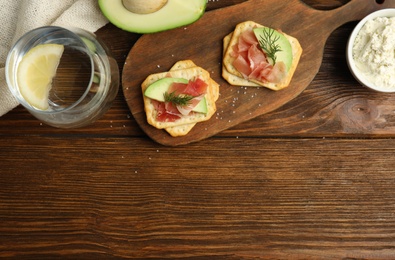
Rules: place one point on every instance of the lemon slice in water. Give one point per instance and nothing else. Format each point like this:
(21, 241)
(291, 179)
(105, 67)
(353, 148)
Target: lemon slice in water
(36, 71)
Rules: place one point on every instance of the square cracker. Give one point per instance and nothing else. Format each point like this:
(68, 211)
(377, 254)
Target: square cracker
(214, 87)
(180, 70)
(228, 58)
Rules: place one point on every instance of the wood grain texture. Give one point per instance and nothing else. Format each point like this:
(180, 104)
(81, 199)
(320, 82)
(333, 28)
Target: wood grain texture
(202, 43)
(299, 205)
(312, 179)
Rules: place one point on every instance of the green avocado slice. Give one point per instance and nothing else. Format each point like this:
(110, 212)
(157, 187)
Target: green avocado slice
(157, 89)
(285, 54)
(201, 107)
(175, 13)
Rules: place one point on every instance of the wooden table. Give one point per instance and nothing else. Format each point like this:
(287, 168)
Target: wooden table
(312, 180)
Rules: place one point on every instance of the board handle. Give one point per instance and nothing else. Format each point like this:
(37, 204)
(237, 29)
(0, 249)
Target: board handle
(355, 10)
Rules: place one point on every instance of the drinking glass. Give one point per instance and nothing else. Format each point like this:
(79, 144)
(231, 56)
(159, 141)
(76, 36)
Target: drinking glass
(86, 80)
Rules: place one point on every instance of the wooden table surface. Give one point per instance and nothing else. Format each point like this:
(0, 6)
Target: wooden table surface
(313, 179)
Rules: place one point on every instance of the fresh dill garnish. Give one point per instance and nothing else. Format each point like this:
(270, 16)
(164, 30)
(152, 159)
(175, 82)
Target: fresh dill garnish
(181, 100)
(268, 43)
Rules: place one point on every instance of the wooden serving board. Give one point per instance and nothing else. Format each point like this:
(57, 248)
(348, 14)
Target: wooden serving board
(201, 42)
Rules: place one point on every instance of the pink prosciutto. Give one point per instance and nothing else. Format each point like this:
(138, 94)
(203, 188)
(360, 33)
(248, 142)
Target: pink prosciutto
(169, 112)
(252, 62)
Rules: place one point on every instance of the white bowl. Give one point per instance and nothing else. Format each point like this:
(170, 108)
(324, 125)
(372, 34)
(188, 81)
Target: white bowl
(358, 75)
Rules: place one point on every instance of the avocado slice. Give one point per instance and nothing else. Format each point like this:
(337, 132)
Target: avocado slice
(158, 89)
(201, 107)
(285, 54)
(175, 13)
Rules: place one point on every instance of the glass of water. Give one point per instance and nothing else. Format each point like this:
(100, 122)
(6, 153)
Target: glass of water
(84, 83)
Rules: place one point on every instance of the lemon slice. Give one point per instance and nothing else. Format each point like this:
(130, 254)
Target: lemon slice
(36, 71)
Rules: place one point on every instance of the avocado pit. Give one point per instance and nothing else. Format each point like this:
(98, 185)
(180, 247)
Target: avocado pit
(143, 6)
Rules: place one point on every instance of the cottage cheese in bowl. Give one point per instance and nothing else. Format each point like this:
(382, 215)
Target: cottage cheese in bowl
(371, 51)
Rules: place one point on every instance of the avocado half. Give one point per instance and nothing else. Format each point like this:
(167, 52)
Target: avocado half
(175, 13)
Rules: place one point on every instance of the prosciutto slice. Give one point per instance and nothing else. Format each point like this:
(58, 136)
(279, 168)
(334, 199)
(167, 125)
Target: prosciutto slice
(252, 62)
(165, 113)
(192, 88)
(169, 112)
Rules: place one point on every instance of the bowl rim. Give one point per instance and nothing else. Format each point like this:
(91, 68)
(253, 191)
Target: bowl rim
(387, 12)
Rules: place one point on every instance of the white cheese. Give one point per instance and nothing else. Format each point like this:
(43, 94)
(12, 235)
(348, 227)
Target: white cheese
(374, 52)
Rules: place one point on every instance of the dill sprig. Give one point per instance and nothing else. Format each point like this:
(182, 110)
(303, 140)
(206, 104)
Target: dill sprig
(181, 100)
(268, 43)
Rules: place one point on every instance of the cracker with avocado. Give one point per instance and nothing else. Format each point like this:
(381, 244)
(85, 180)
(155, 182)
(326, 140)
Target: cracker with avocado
(189, 71)
(234, 77)
(214, 87)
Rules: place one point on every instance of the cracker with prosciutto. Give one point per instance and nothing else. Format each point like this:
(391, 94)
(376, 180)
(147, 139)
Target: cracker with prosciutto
(180, 123)
(185, 64)
(231, 78)
(246, 64)
(182, 130)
